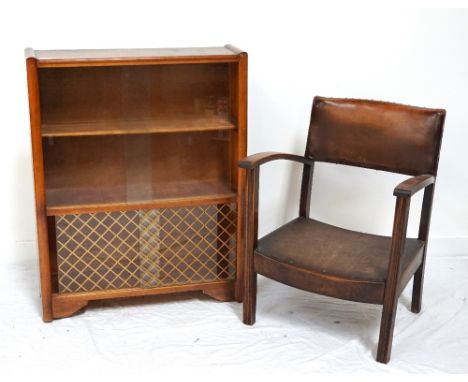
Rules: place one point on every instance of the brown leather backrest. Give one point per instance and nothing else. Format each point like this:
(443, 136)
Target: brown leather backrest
(377, 135)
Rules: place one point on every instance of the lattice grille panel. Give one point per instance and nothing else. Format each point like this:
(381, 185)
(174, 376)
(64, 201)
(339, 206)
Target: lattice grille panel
(146, 248)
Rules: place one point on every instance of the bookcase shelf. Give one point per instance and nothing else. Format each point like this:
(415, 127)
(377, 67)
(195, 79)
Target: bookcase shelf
(92, 199)
(166, 124)
(135, 166)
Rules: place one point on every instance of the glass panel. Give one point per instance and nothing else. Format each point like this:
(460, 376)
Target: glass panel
(136, 134)
(92, 170)
(134, 99)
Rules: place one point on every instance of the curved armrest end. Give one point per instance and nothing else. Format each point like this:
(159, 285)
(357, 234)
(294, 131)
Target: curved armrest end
(412, 185)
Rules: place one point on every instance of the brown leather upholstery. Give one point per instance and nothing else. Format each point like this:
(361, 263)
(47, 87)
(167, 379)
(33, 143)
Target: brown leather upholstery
(358, 259)
(377, 135)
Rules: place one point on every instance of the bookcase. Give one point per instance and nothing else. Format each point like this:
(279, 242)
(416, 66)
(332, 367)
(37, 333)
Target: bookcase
(135, 170)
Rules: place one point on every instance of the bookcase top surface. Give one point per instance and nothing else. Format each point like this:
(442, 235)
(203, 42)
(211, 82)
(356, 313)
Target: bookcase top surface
(106, 57)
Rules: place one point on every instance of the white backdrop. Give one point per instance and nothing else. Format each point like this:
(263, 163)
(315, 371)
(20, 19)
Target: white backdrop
(295, 51)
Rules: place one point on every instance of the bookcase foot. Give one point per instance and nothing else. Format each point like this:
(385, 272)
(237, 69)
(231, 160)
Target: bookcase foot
(47, 315)
(67, 308)
(220, 294)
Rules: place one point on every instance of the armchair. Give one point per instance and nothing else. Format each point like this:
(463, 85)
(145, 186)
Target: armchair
(332, 261)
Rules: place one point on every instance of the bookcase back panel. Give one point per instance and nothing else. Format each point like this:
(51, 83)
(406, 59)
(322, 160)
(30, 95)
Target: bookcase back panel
(146, 248)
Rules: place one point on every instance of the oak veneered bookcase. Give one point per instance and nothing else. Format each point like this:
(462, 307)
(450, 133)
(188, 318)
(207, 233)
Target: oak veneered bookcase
(135, 169)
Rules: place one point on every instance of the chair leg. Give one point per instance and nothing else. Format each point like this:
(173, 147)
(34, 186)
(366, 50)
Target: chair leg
(251, 234)
(416, 300)
(390, 300)
(250, 296)
(387, 325)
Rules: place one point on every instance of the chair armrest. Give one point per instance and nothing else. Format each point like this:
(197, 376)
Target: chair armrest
(412, 185)
(258, 159)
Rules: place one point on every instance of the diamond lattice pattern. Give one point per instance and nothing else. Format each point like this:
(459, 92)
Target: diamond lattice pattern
(146, 248)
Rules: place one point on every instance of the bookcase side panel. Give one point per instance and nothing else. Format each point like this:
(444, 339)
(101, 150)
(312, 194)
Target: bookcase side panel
(39, 189)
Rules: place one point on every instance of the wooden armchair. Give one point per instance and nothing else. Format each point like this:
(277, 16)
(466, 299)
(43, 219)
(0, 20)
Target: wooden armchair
(320, 258)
